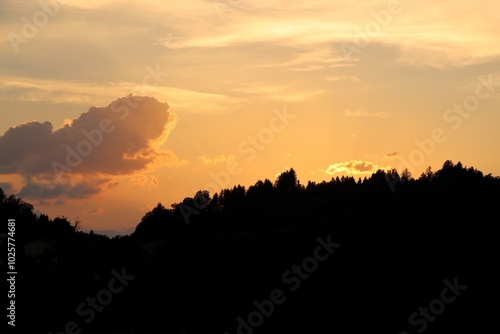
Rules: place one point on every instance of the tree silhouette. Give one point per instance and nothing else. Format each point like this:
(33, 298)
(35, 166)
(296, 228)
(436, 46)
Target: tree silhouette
(154, 224)
(287, 180)
(239, 243)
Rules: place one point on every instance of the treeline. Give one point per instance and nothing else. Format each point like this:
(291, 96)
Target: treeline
(208, 257)
(268, 204)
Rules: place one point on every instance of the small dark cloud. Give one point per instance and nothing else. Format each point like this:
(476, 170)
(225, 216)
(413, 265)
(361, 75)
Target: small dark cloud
(95, 211)
(391, 155)
(43, 190)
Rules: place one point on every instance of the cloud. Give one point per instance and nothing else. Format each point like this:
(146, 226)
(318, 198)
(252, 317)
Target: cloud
(41, 187)
(59, 92)
(215, 160)
(425, 33)
(283, 93)
(145, 181)
(81, 158)
(343, 78)
(99, 211)
(71, 92)
(354, 167)
(393, 155)
(117, 139)
(7, 187)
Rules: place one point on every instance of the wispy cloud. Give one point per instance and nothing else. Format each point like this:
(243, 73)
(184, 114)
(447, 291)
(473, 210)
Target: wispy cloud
(100, 93)
(425, 33)
(343, 78)
(145, 181)
(215, 160)
(99, 211)
(393, 155)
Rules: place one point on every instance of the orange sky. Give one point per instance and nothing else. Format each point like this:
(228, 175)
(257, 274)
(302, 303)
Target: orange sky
(243, 89)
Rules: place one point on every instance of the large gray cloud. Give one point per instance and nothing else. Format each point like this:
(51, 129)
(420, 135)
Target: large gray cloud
(119, 139)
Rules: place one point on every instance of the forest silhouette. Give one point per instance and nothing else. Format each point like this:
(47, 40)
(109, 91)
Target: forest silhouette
(197, 267)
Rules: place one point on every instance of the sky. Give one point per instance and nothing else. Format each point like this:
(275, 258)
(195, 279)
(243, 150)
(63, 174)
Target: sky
(110, 107)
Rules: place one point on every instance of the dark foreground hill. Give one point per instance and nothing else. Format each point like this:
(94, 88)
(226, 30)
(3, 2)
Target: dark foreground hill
(389, 253)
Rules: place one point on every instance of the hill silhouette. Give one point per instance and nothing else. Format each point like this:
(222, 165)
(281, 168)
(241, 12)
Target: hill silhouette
(349, 255)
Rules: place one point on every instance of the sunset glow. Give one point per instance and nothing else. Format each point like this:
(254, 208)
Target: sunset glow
(109, 107)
